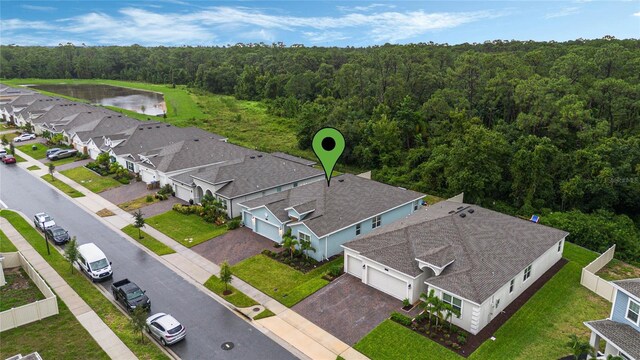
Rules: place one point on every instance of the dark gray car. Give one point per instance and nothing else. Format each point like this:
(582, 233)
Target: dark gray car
(65, 153)
(57, 235)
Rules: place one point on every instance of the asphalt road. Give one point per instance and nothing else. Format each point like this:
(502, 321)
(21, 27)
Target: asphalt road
(208, 323)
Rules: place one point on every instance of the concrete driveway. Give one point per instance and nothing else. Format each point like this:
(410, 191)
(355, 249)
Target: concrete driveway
(234, 246)
(348, 309)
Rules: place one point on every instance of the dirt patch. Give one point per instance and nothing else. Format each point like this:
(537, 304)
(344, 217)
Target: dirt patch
(105, 213)
(618, 270)
(17, 279)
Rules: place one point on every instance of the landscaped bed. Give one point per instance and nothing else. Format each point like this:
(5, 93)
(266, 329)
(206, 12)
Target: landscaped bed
(19, 289)
(90, 179)
(538, 330)
(280, 281)
(148, 241)
(188, 230)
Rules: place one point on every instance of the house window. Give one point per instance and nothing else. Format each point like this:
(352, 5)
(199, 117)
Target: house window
(279, 188)
(358, 228)
(511, 285)
(527, 273)
(376, 221)
(559, 245)
(295, 184)
(633, 311)
(453, 301)
(415, 206)
(129, 166)
(303, 237)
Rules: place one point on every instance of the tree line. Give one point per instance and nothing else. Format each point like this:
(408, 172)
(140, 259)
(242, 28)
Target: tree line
(520, 126)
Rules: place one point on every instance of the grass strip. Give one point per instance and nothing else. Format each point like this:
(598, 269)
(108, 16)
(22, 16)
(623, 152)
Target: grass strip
(5, 244)
(236, 297)
(33, 167)
(62, 186)
(264, 314)
(148, 241)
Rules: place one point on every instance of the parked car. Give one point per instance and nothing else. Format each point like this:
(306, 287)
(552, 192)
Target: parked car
(24, 137)
(93, 262)
(165, 328)
(62, 154)
(43, 221)
(57, 235)
(52, 150)
(130, 295)
(8, 159)
(3, 152)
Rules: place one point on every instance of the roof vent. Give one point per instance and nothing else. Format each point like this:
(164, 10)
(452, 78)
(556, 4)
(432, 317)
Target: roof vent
(158, 127)
(460, 207)
(341, 180)
(168, 125)
(452, 211)
(470, 211)
(196, 139)
(463, 215)
(259, 156)
(252, 157)
(149, 127)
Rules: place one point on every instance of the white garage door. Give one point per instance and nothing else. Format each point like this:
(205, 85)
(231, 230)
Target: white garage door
(146, 176)
(354, 266)
(267, 230)
(183, 193)
(387, 283)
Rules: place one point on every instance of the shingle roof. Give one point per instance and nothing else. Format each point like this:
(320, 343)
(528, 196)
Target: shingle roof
(349, 200)
(60, 111)
(488, 248)
(623, 336)
(296, 159)
(630, 285)
(107, 125)
(153, 136)
(41, 105)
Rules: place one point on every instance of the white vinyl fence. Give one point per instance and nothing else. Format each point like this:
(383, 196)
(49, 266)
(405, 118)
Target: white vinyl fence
(35, 311)
(595, 283)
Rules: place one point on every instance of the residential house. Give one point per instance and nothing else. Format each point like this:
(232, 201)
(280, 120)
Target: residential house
(12, 105)
(36, 109)
(237, 179)
(56, 113)
(329, 216)
(621, 330)
(475, 259)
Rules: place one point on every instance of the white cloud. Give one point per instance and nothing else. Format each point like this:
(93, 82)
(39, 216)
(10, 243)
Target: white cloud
(364, 8)
(563, 12)
(17, 24)
(637, 14)
(38, 8)
(324, 36)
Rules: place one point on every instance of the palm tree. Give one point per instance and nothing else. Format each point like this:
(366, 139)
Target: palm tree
(579, 347)
(305, 245)
(289, 242)
(449, 312)
(426, 302)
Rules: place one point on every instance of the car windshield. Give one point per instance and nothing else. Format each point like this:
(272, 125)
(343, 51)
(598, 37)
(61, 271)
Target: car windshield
(98, 265)
(175, 330)
(58, 232)
(134, 295)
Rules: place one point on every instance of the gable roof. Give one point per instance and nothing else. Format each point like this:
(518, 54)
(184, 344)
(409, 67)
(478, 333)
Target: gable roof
(632, 286)
(296, 159)
(105, 126)
(42, 105)
(487, 248)
(622, 335)
(349, 200)
(154, 135)
(59, 111)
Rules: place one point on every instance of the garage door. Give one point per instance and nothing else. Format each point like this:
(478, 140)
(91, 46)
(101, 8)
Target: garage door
(146, 176)
(387, 283)
(183, 193)
(267, 230)
(354, 266)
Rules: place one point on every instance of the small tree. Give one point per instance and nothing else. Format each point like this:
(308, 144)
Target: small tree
(104, 161)
(138, 222)
(71, 252)
(226, 277)
(450, 311)
(56, 139)
(579, 347)
(12, 149)
(52, 168)
(289, 242)
(28, 128)
(305, 245)
(4, 140)
(138, 321)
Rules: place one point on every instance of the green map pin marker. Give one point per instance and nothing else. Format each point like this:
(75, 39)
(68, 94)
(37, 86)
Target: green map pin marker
(328, 144)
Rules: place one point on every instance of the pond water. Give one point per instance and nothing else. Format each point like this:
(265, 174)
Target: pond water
(143, 102)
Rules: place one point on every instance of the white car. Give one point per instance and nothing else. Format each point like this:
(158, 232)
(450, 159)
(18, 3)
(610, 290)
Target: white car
(43, 221)
(165, 328)
(24, 137)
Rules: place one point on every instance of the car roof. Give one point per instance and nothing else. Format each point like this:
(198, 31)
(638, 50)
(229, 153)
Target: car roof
(91, 252)
(167, 321)
(56, 227)
(42, 214)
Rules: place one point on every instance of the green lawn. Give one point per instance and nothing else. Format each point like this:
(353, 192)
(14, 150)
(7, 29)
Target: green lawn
(280, 281)
(39, 153)
(19, 290)
(33, 167)
(64, 161)
(236, 297)
(108, 312)
(91, 180)
(136, 204)
(539, 330)
(19, 158)
(56, 337)
(148, 241)
(264, 314)
(5, 244)
(188, 230)
(62, 186)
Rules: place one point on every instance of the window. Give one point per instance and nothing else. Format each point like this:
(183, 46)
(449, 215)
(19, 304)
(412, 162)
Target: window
(279, 188)
(633, 311)
(376, 221)
(358, 229)
(415, 206)
(130, 166)
(527, 273)
(559, 245)
(453, 301)
(295, 184)
(511, 284)
(303, 237)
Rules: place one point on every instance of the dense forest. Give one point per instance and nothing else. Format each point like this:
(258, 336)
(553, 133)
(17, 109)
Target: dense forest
(522, 127)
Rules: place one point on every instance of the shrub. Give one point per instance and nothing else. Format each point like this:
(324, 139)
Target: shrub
(150, 199)
(455, 346)
(335, 270)
(421, 317)
(462, 339)
(123, 180)
(165, 190)
(401, 319)
(406, 303)
(233, 224)
(82, 156)
(266, 252)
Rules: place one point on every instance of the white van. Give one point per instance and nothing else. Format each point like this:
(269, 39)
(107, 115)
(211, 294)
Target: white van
(93, 262)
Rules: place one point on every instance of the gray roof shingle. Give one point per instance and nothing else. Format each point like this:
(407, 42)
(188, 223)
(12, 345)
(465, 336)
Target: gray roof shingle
(630, 285)
(296, 159)
(349, 200)
(622, 335)
(487, 248)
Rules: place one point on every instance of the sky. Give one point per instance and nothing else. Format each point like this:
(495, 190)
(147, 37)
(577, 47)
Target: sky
(312, 23)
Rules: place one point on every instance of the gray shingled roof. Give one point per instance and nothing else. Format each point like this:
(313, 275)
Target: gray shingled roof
(296, 159)
(489, 248)
(349, 200)
(59, 111)
(153, 136)
(107, 125)
(630, 285)
(42, 105)
(623, 336)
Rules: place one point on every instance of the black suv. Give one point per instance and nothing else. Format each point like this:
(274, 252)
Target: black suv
(57, 234)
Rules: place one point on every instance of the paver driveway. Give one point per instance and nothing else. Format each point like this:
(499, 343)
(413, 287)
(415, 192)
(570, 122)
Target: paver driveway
(234, 246)
(347, 308)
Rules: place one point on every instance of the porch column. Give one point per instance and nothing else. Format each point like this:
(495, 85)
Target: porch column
(595, 341)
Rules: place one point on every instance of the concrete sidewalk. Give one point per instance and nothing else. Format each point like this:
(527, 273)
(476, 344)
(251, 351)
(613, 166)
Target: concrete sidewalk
(307, 338)
(101, 333)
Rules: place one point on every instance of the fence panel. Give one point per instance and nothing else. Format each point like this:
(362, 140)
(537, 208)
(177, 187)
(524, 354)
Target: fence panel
(593, 282)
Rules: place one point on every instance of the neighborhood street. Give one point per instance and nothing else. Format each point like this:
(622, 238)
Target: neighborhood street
(209, 324)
